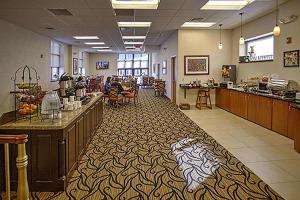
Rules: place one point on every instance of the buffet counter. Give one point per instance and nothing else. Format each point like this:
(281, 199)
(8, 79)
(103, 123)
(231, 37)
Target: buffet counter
(54, 147)
(281, 115)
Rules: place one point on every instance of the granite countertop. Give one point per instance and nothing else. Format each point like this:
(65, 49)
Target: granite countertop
(48, 124)
(265, 95)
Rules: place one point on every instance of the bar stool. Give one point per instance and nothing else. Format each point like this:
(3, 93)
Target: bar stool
(202, 97)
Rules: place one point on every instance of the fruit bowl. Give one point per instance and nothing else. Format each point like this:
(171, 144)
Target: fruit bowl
(26, 85)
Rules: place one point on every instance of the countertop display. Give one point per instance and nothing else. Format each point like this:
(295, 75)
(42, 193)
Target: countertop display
(54, 147)
(48, 124)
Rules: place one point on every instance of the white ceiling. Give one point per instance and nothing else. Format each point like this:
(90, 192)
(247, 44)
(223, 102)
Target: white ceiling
(96, 17)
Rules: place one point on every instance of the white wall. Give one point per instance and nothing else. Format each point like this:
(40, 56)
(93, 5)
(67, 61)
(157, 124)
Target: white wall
(202, 42)
(265, 25)
(21, 47)
(168, 49)
(111, 58)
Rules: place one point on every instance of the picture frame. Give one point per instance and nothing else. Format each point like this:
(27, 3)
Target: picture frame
(75, 66)
(196, 65)
(291, 58)
(164, 67)
(102, 65)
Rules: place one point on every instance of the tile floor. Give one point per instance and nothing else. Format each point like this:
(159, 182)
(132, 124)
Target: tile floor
(268, 154)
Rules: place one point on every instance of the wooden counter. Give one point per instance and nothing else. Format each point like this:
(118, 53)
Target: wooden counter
(53, 148)
(279, 115)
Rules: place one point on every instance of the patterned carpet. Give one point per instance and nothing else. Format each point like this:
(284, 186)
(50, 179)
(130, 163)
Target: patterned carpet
(153, 151)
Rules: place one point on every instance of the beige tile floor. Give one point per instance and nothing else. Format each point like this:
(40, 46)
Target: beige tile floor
(268, 154)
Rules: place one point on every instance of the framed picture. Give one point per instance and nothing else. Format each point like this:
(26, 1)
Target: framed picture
(164, 67)
(196, 65)
(75, 66)
(291, 58)
(102, 65)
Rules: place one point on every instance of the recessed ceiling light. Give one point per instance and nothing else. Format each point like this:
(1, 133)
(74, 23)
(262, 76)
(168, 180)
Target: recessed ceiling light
(86, 37)
(135, 4)
(94, 43)
(197, 24)
(134, 37)
(129, 47)
(100, 47)
(103, 50)
(133, 42)
(226, 5)
(134, 24)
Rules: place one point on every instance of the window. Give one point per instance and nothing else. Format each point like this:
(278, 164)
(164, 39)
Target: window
(133, 64)
(57, 60)
(81, 64)
(260, 48)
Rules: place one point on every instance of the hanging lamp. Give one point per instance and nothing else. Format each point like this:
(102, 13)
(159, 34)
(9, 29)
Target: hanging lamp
(276, 30)
(220, 43)
(242, 40)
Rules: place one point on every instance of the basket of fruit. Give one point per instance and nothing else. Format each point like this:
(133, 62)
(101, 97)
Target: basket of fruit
(27, 109)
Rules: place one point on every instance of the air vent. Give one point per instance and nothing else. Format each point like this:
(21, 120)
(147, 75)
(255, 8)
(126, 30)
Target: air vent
(124, 12)
(198, 19)
(60, 12)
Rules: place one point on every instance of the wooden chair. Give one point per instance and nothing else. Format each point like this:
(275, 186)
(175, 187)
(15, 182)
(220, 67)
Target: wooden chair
(159, 88)
(113, 97)
(133, 94)
(105, 96)
(202, 98)
(145, 81)
(151, 81)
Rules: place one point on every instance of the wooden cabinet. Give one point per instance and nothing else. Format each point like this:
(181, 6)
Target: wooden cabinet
(54, 151)
(280, 116)
(238, 103)
(80, 134)
(294, 126)
(223, 98)
(260, 110)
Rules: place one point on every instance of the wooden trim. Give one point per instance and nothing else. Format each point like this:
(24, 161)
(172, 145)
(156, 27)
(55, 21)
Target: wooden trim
(13, 139)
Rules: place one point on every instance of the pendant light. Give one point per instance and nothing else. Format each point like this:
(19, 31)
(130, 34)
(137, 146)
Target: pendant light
(276, 30)
(220, 43)
(242, 40)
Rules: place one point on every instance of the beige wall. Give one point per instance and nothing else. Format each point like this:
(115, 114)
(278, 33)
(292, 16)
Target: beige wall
(21, 47)
(112, 70)
(265, 25)
(168, 49)
(202, 42)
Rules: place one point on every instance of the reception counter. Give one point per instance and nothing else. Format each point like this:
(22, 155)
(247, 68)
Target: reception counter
(54, 147)
(279, 114)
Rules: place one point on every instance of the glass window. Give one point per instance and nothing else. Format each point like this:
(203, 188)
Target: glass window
(121, 64)
(121, 56)
(144, 57)
(137, 56)
(144, 64)
(259, 48)
(145, 72)
(56, 60)
(128, 72)
(129, 56)
(128, 64)
(135, 64)
(137, 72)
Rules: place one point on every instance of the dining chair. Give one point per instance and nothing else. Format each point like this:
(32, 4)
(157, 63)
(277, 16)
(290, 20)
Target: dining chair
(133, 94)
(113, 97)
(101, 88)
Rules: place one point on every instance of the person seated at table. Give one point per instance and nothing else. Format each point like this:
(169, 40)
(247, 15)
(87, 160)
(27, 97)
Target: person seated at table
(117, 84)
(107, 85)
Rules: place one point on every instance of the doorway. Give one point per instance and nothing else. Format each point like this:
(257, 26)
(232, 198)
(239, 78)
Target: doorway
(173, 79)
